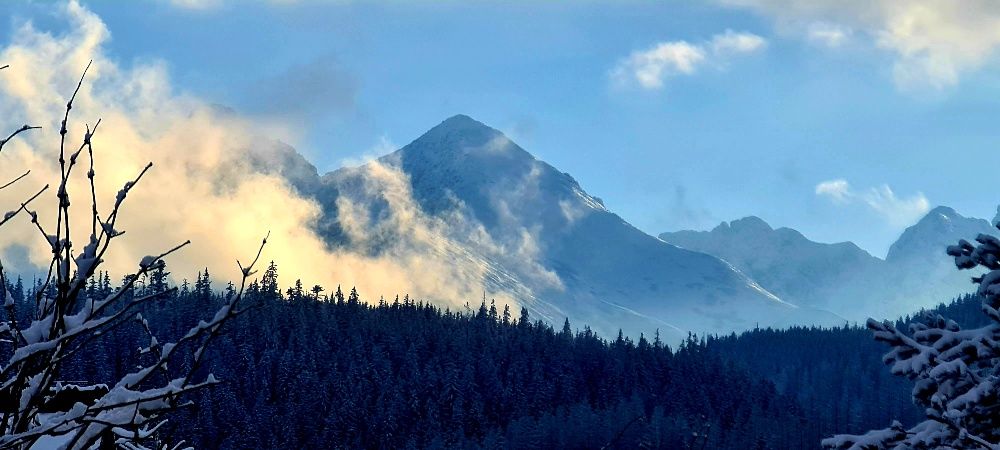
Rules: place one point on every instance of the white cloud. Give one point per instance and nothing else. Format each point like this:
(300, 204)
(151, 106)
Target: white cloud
(733, 42)
(838, 190)
(898, 211)
(933, 41)
(828, 34)
(881, 200)
(383, 147)
(196, 5)
(651, 67)
(210, 5)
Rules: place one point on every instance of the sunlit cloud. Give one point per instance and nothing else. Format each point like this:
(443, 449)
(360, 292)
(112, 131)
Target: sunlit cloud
(933, 42)
(214, 182)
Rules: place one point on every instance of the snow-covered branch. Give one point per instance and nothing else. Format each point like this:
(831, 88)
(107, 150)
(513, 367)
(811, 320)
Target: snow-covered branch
(66, 322)
(955, 371)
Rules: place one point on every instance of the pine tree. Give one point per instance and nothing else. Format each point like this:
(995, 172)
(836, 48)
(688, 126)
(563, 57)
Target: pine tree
(158, 279)
(524, 321)
(269, 281)
(956, 371)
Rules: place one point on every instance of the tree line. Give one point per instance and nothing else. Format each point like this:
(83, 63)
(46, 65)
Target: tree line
(307, 370)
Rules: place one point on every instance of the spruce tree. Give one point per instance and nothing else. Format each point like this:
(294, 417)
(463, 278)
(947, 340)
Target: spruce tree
(956, 372)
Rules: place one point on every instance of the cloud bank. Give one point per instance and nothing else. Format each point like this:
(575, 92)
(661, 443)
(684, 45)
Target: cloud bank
(203, 186)
(650, 68)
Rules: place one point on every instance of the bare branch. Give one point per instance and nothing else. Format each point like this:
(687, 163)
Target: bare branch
(15, 180)
(64, 325)
(15, 133)
(24, 207)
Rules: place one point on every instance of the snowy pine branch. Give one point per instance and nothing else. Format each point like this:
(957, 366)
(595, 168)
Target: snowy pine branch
(955, 371)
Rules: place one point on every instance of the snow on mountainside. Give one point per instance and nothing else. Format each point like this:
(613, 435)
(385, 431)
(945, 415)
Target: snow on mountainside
(842, 277)
(918, 256)
(545, 240)
(941, 227)
(788, 264)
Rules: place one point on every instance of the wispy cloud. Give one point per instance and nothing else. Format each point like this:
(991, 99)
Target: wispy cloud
(828, 34)
(933, 42)
(837, 190)
(650, 68)
(382, 147)
(732, 42)
(212, 5)
(196, 5)
(897, 211)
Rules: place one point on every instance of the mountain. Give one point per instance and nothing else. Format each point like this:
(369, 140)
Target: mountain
(842, 277)
(925, 273)
(541, 237)
(941, 227)
(788, 264)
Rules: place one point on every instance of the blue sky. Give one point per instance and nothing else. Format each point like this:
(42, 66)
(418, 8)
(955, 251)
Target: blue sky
(843, 119)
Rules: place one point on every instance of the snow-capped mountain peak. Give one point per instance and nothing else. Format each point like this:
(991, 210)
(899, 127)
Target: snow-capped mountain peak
(842, 277)
(598, 269)
(940, 227)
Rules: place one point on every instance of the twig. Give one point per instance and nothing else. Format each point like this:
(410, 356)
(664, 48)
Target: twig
(15, 133)
(15, 180)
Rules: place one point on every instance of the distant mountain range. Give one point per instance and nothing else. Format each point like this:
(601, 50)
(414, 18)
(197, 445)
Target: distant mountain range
(533, 232)
(843, 278)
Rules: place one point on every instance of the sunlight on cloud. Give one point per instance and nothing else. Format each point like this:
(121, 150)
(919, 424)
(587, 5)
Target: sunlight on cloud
(405, 250)
(881, 200)
(204, 185)
(934, 41)
(651, 67)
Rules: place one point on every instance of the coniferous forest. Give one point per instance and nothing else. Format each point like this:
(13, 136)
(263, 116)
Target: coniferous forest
(305, 370)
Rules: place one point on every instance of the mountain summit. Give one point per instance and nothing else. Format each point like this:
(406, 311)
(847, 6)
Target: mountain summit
(543, 238)
(459, 129)
(939, 228)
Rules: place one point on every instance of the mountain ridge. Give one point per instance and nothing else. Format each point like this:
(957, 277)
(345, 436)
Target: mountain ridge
(846, 279)
(610, 274)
